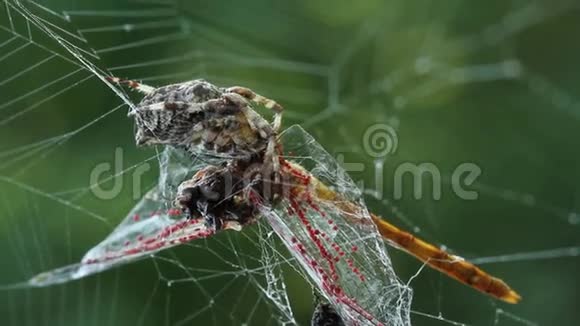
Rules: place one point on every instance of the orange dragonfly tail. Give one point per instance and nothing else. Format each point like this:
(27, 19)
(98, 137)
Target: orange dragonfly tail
(451, 265)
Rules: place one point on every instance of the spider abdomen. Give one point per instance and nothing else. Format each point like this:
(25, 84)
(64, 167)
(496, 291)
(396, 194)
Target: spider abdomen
(198, 115)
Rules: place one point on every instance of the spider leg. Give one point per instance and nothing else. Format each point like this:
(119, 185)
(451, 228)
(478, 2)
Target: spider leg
(256, 98)
(142, 88)
(232, 225)
(272, 151)
(261, 100)
(273, 156)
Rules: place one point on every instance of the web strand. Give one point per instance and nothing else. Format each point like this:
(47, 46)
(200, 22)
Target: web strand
(238, 278)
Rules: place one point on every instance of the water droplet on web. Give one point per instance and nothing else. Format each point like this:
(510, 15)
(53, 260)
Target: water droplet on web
(512, 68)
(528, 200)
(185, 26)
(394, 122)
(399, 102)
(387, 85)
(423, 65)
(574, 218)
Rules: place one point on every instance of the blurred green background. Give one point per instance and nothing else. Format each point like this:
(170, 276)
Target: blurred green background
(494, 83)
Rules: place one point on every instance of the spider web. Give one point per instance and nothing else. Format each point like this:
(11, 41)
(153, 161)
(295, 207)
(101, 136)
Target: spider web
(431, 71)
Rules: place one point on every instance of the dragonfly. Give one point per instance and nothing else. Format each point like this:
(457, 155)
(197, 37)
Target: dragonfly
(307, 199)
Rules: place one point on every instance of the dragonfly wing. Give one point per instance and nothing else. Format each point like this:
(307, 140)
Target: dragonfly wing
(339, 249)
(151, 226)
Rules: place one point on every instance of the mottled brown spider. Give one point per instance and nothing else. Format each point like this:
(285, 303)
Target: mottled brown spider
(197, 115)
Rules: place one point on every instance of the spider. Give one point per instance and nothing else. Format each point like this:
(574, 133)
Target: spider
(198, 115)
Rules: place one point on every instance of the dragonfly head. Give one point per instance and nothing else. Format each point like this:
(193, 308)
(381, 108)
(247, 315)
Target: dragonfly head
(217, 195)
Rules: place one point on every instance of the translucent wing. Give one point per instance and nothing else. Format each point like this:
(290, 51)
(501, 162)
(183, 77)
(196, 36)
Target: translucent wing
(151, 226)
(324, 223)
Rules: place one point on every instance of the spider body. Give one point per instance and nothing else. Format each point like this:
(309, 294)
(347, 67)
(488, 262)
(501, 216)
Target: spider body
(198, 115)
